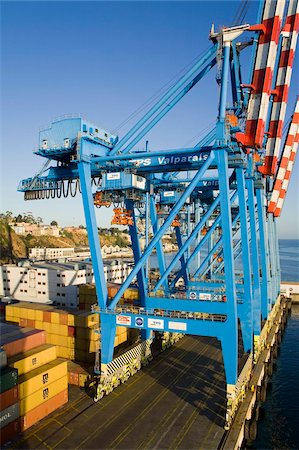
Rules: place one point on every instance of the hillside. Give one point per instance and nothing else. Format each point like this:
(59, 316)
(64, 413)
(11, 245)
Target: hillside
(14, 247)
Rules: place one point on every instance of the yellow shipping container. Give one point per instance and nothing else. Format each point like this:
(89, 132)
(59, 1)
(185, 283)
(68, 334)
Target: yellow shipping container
(71, 341)
(12, 311)
(33, 358)
(84, 379)
(23, 313)
(131, 293)
(86, 320)
(39, 315)
(55, 339)
(65, 352)
(11, 319)
(38, 378)
(93, 346)
(71, 320)
(39, 324)
(55, 317)
(86, 333)
(122, 338)
(120, 330)
(30, 314)
(86, 289)
(42, 395)
(46, 326)
(61, 330)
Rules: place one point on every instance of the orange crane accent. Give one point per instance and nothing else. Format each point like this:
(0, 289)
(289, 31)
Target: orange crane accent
(122, 216)
(98, 201)
(176, 222)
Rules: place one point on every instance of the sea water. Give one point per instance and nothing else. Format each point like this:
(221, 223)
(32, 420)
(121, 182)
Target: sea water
(278, 427)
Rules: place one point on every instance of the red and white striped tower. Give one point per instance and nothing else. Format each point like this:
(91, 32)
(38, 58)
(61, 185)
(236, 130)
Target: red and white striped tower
(281, 91)
(286, 181)
(262, 75)
(285, 165)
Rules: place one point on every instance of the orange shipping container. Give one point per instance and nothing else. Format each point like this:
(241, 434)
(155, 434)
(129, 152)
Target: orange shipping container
(22, 343)
(63, 318)
(27, 323)
(9, 397)
(47, 316)
(43, 410)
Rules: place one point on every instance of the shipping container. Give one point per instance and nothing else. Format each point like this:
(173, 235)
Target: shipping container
(27, 323)
(61, 330)
(63, 320)
(43, 410)
(9, 414)
(3, 357)
(41, 377)
(11, 319)
(71, 331)
(42, 395)
(33, 358)
(132, 293)
(21, 342)
(47, 316)
(9, 432)
(9, 397)
(80, 374)
(8, 378)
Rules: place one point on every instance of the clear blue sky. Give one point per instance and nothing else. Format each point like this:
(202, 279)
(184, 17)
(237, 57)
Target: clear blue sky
(104, 60)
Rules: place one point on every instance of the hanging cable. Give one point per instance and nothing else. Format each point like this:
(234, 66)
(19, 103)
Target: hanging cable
(198, 135)
(158, 93)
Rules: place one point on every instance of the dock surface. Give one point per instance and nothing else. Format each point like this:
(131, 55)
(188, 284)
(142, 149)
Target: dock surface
(178, 401)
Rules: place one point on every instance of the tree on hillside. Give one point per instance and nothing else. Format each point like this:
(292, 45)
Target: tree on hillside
(8, 215)
(54, 223)
(28, 217)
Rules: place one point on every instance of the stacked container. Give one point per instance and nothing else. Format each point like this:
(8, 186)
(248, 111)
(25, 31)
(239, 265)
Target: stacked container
(88, 297)
(79, 375)
(42, 377)
(42, 391)
(9, 420)
(74, 333)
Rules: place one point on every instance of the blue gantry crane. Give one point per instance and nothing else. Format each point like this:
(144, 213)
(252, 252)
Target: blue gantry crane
(214, 198)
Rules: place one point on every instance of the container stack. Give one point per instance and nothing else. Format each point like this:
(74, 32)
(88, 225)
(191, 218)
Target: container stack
(9, 400)
(88, 297)
(38, 377)
(74, 333)
(131, 295)
(42, 390)
(79, 375)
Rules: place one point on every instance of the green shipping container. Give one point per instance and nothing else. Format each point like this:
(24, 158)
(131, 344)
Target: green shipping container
(8, 378)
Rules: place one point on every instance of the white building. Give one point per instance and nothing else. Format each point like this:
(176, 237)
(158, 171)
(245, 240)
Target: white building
(50, 253)
(49, 281)
(24, 228)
